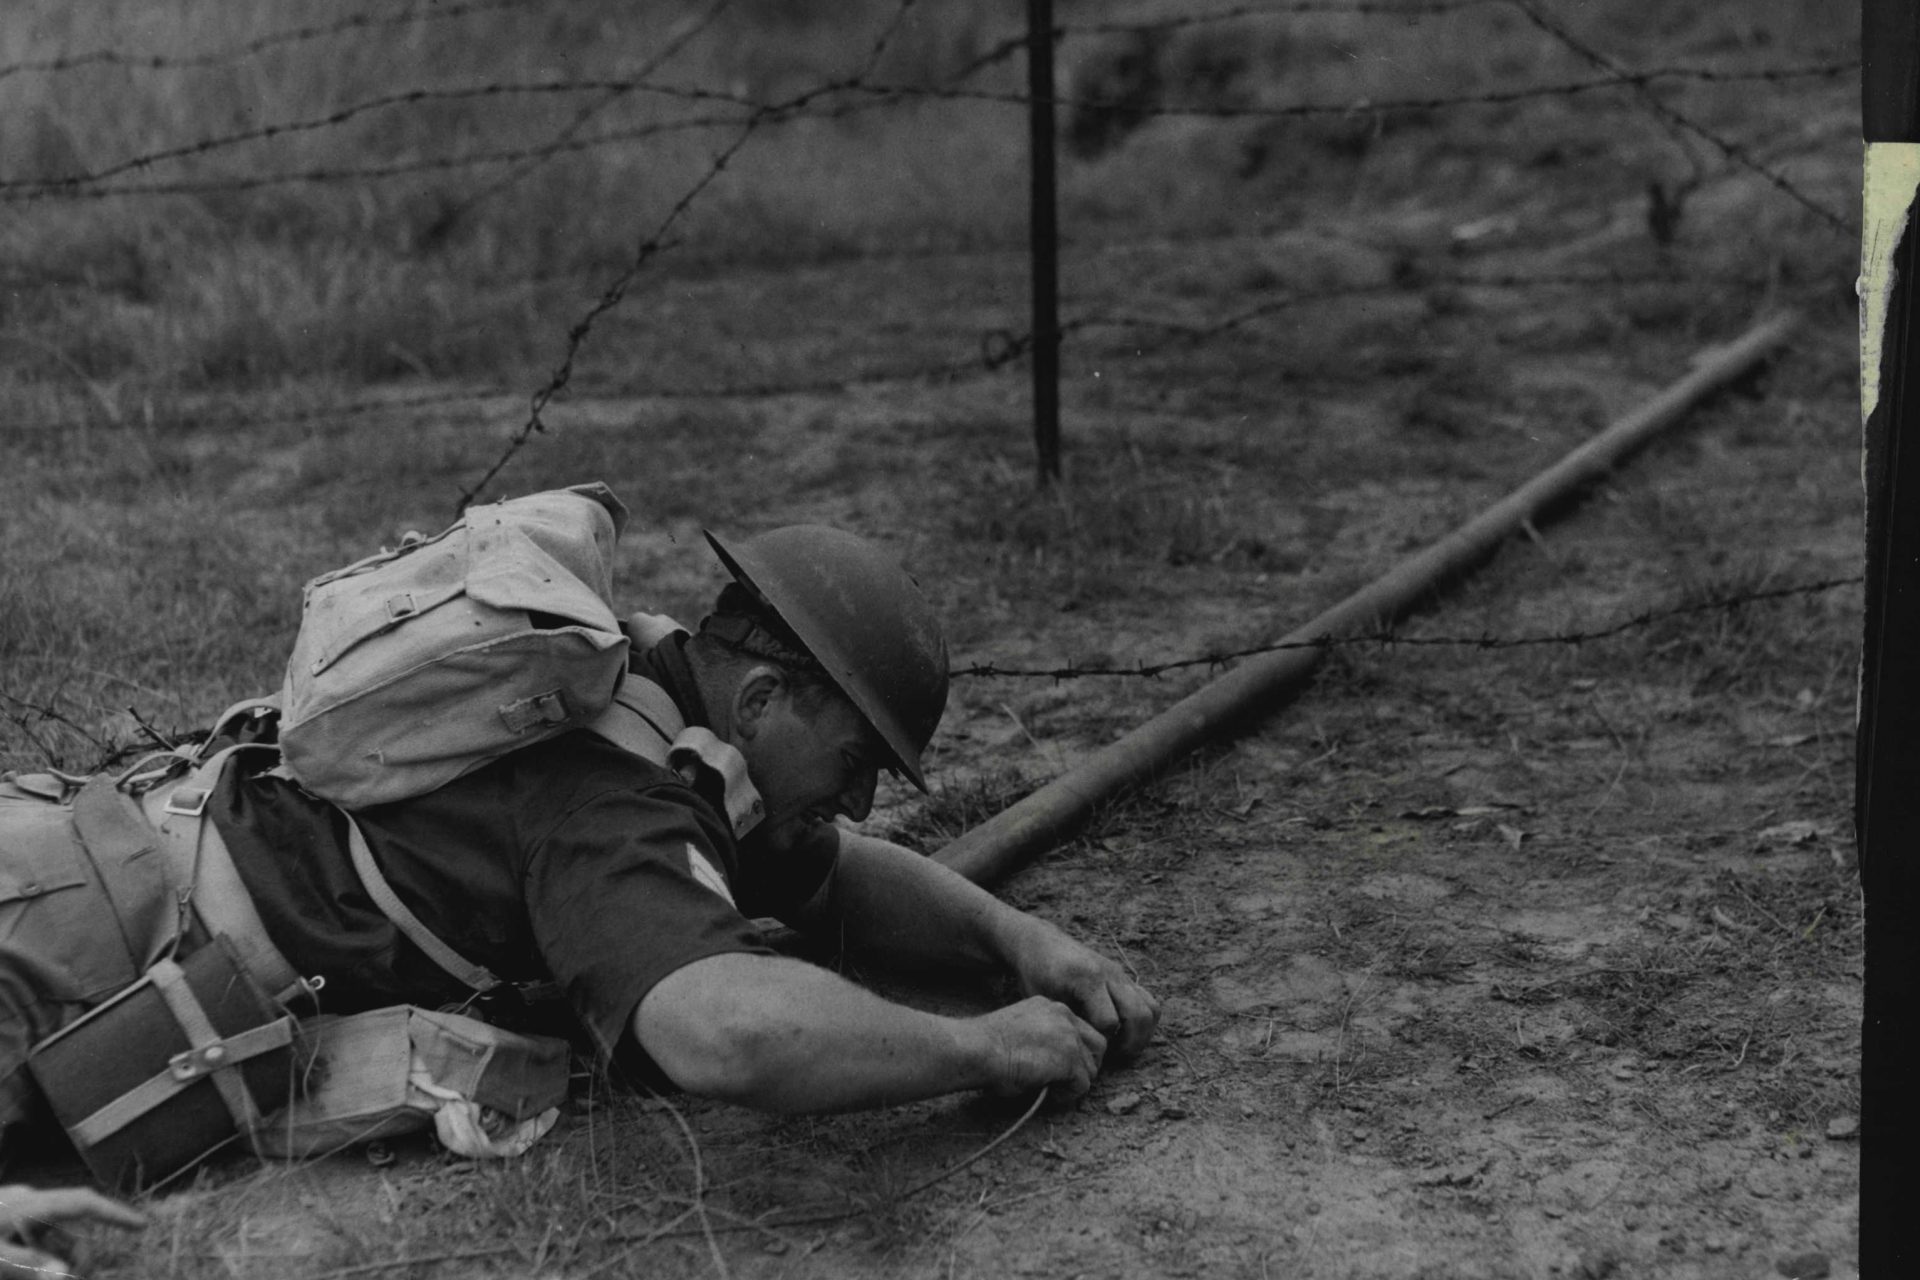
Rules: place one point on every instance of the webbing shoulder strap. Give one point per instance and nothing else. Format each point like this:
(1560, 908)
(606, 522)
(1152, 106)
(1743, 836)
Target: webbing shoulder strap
(642, 718)
(203, 872)
(477, 976)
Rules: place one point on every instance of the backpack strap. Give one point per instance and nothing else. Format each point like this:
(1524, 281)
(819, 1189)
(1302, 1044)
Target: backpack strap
(696, 748)
(203, 875)
(477, 976)
(642, 718)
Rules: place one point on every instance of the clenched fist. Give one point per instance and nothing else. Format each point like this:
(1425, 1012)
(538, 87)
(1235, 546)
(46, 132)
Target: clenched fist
(1042, 1042)
(1046, 962)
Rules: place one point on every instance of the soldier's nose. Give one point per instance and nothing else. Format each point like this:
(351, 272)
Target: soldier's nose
(857, 800)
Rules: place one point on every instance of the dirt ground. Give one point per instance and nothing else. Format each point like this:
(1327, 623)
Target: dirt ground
(1539, 960)
(1504, 960)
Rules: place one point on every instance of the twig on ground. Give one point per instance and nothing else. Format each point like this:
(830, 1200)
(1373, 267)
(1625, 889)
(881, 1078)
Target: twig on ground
(1742, 890)
(841, 1215)
(699, 1187)
(154, 735)
(415, 1260)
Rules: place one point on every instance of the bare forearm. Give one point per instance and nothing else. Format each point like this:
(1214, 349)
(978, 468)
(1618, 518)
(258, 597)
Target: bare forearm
(891, 901)
(781, 1035)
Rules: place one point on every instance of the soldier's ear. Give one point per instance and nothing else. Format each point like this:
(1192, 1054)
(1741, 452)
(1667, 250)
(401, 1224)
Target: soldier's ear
(753, 697)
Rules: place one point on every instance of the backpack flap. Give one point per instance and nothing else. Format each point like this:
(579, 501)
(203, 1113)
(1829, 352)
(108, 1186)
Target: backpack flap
(423, 667)
(512, 567)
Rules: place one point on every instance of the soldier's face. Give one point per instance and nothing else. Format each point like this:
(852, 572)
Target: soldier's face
(812, 757)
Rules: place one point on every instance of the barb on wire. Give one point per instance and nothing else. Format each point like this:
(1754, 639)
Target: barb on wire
(656, 242)
(364, 21)
(1732, 151)
(1390, 637)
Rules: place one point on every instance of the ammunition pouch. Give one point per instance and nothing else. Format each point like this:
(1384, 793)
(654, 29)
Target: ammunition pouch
(185, 1061)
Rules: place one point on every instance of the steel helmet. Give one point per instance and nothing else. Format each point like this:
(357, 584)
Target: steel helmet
(862, 618)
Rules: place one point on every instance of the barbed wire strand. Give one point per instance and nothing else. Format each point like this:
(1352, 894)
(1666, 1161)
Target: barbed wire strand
(1390, 637)
(997, 349)
(31, 187)
(93, 184)
(649, 248)
(363, 21)
(1361, 106)
(1005, 49)
(1732, 151)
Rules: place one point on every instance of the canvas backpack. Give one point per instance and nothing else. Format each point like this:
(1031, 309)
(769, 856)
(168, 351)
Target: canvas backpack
(420, 664)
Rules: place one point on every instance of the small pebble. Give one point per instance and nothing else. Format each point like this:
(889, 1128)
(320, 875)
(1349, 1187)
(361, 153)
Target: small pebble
(1122, 1103)
(1842, 1127)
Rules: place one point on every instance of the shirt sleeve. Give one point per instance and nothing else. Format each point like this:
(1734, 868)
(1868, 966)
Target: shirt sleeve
(630, 886)
(777, 882)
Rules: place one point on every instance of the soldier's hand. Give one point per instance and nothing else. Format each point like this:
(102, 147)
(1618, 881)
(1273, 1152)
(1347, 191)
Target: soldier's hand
(1047, 962)
(31, 1222)
(1043, 1042)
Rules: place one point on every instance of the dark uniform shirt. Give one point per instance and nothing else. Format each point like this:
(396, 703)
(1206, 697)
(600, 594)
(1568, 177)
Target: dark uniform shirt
(569, 861)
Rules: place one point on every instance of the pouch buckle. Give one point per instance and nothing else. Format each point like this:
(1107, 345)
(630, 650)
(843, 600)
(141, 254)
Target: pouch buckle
(195, 1063)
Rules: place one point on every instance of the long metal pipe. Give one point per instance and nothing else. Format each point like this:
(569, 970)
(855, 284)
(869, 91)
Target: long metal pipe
(1006, 842)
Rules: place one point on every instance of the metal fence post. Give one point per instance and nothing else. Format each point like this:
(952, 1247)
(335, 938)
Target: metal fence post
(1887, 781)
(1044, 241)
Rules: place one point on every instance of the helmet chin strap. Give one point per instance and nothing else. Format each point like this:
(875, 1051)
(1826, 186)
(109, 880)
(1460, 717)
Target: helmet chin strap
(750, 636)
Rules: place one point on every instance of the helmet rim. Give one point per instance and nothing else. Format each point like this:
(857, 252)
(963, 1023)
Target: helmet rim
(771, 585)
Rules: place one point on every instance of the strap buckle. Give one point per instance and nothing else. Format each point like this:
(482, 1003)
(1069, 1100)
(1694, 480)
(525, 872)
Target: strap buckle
(188, 801)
